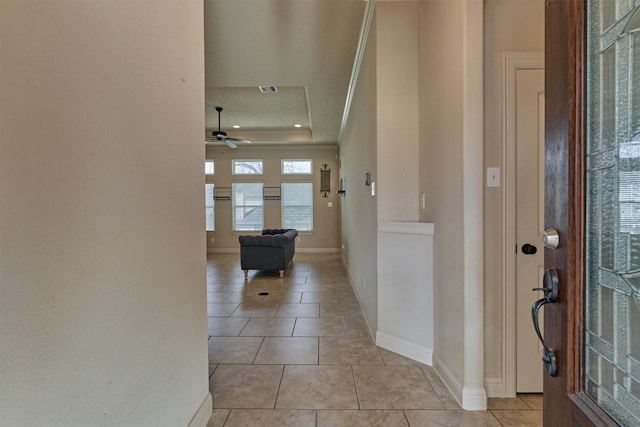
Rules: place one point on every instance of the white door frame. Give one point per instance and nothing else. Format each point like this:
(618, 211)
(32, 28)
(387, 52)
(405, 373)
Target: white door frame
(511, 63)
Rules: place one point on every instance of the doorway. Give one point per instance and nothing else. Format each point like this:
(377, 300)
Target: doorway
(523, 202)
(529, 223)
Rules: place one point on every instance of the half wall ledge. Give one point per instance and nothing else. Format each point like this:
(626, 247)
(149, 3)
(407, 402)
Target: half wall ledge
(405, 289)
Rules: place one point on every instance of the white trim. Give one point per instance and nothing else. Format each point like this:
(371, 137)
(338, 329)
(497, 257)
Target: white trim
(355, 71)
(470, 398)
(355, 291)
(474, 399)
(405, 227)
(511, 63)
(233, 167)
(494, 386)
(203, 414)
(223, 250)
(447, 378)
(318, 250)
(473, 393)
(405, 348)
(282, 172)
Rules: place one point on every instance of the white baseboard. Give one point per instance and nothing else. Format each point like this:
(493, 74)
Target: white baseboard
(203, 414)
(474, 399)
(355, 291)
(223, 250)
(494, 387)
(470, 398)
(447, 378)
(405, 348)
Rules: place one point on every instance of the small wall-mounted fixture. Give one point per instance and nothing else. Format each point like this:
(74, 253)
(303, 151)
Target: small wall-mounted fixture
(271, 193)
(325, 180)
(341, 189)
(367, 179)
(222, 193)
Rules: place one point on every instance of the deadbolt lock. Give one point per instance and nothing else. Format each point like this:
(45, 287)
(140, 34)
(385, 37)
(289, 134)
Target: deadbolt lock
(551, 238)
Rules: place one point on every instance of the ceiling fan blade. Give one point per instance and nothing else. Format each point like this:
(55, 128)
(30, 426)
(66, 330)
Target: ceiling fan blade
(219, 135)
(242, 141)
(228, 143)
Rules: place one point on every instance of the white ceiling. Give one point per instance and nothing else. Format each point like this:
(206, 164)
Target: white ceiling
(306, 48)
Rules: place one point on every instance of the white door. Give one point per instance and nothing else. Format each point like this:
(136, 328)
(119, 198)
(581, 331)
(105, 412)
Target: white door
(529, 116)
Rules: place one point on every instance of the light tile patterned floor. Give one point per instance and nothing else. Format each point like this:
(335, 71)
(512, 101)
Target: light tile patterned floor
(296, 351)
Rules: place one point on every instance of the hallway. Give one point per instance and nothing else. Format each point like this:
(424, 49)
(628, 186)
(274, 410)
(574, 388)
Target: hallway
(297, 352)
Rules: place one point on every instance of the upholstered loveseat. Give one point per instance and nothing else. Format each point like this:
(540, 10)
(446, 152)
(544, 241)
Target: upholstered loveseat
(273, 250)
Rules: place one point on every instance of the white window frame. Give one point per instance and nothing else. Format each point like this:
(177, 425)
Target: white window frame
(283, 172)
(233, 166)
(213, 167)
(212, 206)
(284, 206)
(234, 206)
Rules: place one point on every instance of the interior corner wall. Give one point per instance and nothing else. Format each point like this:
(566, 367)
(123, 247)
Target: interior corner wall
(441, 159)
(102, 248)
(358, 155)
(509, 26)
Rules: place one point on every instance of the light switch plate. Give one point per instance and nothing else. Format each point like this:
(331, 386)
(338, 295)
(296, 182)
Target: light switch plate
(493, 177)
(373, 189)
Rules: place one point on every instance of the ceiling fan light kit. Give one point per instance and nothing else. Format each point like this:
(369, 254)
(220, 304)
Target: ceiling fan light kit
(219, 135)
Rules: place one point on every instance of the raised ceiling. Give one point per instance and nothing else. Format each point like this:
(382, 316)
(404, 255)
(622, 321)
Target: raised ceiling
(305, 48)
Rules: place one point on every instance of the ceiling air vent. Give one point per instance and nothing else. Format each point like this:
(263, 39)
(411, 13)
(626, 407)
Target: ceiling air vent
(268, 89)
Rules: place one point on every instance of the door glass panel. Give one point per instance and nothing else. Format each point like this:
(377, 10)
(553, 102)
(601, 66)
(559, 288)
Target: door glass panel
(612, 265)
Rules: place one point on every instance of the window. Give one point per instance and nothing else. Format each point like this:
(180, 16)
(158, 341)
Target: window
(247, 167)
(247, 208)
(209, 167)
(629, 199)
(297, 205)
(296, 167)
(209, 205)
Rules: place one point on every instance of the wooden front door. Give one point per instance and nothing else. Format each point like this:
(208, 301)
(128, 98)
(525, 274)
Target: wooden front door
(592, 198)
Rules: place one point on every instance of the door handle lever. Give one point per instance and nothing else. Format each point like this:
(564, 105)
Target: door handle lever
(549, 358)
(550, 289)
(549, 285)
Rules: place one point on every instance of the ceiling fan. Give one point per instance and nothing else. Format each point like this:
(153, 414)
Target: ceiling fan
(219, 135)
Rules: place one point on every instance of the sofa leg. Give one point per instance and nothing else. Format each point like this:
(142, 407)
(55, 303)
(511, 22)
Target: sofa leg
(246, 274)
(281, 273)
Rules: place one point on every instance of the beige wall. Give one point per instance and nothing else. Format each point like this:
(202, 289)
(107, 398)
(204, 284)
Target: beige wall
(397, 110)
(412, 92)
(443, 112)
(326, 220)
(358, 155)
(510, 25)
(441, 151)
(381, 137)
(102, 248)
